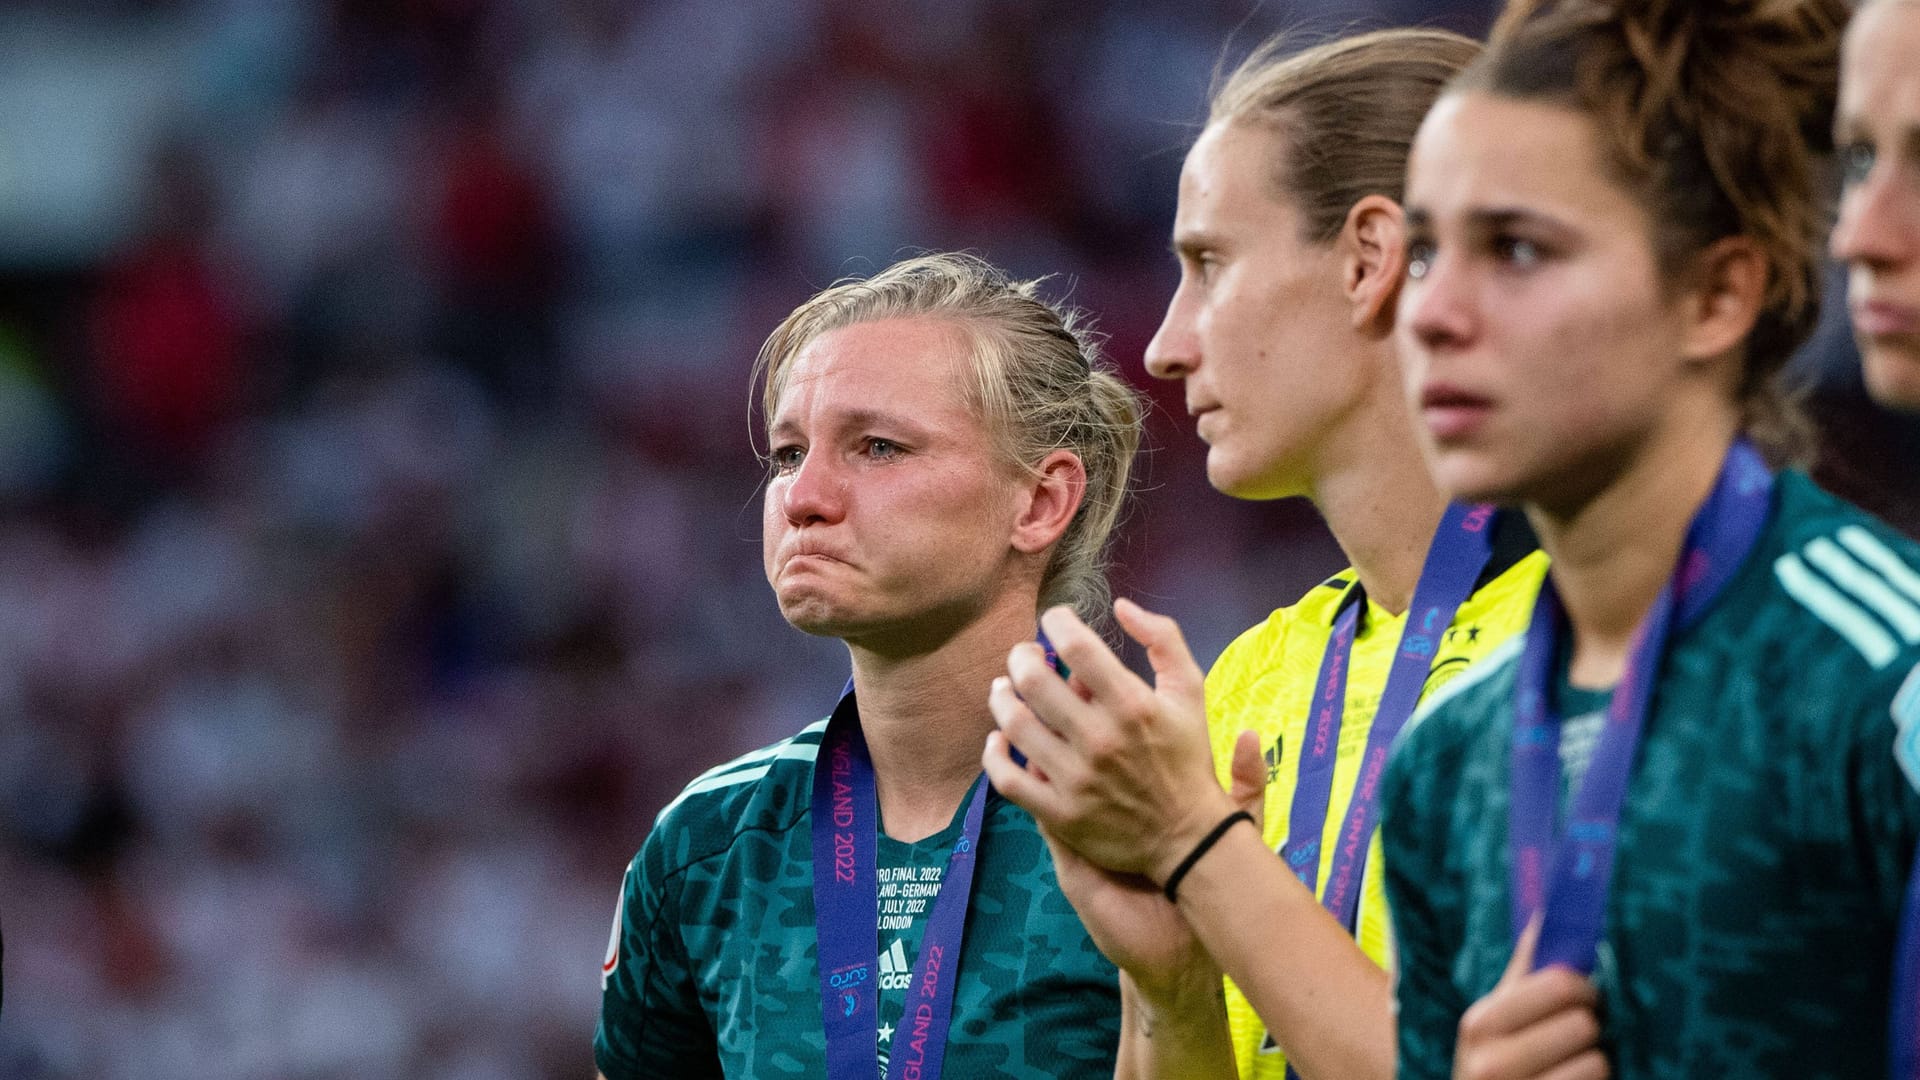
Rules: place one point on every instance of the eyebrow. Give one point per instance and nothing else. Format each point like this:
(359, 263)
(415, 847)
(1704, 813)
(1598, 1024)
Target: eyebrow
(1190, 244)
(1852, 127)
(853, 418)
(1490, 219)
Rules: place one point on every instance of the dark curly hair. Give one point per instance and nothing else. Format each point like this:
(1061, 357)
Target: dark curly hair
(1715, 114)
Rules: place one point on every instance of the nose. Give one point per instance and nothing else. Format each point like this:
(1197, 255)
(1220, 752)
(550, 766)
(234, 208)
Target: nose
(1174, 352)
(1436, 307)
(1879, 221)
(813, 492)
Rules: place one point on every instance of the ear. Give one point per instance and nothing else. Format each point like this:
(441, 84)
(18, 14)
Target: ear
(1052, 495)
(1729, 288)
(1373, 260)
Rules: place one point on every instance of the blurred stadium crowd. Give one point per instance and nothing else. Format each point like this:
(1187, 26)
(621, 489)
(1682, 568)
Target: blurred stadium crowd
(378, 519)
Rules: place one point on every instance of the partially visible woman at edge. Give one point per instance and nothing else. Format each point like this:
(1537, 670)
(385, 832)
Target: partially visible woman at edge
(1289, 237)
(1877, 134)
(1667, 834)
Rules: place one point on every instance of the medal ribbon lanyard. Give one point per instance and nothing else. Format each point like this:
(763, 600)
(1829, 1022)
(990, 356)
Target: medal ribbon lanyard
(1904, 1031)
(845, 827)
(1569, 878)
(1458, 554)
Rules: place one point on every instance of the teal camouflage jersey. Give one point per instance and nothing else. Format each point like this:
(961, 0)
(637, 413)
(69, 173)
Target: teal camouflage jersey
(1765, 840)
(712, 970)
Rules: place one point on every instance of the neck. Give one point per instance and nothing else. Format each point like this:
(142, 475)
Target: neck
(1381, 504)
(1613, 552)
(925, 717)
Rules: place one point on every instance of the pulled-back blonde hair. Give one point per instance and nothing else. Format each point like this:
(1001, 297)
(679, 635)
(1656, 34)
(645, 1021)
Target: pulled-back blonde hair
(1346, 111)
(1715, 115)
(1037, 381)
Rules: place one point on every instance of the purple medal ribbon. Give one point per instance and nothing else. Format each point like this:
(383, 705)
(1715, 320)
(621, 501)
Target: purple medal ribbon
(1569, 878)
(846, 901)
(1313, 785)
(1461, 547)
(1458, 553)
(1904, 1031)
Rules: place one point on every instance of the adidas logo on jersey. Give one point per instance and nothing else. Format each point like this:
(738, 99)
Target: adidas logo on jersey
(895, 972)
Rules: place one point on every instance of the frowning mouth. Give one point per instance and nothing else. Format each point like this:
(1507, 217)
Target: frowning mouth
(800, 560)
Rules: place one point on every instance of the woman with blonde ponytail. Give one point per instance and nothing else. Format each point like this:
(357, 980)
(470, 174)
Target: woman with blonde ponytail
(1668, 832)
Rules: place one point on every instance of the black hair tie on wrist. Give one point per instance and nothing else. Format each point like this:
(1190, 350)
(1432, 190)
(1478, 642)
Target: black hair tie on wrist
(1171, 888)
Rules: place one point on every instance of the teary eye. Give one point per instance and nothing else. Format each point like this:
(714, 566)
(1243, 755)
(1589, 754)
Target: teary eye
(785, 459)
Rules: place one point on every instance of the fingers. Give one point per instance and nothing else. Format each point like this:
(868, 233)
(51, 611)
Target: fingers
(1094, 665)
(1563, 1044)
(1020, 786)
(1249, 775)
(1080, 688)
(1521, 962)
(1039, 690)
(1588, 1065)
(1536, 1024)
(1173, 666)
(1529, 1000)
(1042, 746)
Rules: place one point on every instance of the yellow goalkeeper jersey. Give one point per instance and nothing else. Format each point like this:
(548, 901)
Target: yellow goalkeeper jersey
(1264, 681)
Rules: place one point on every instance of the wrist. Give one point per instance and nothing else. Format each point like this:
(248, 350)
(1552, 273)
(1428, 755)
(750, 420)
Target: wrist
(1181, 837)
(1193, 989)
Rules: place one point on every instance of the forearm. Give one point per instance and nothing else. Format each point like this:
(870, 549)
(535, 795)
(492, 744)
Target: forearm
(1175, 1034)
(1326, 1003)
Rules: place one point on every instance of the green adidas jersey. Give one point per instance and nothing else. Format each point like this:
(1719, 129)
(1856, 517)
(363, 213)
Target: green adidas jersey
(1765, 841)
(713, 970)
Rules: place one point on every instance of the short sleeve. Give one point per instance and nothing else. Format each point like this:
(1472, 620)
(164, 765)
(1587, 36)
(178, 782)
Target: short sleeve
(651, 1023)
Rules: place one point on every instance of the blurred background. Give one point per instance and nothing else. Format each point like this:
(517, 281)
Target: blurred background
(378, 510)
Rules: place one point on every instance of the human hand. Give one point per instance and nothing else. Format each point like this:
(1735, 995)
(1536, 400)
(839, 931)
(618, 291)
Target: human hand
(1248, 771)
(1534, 1024)
(1136, 927)
(1122, 772)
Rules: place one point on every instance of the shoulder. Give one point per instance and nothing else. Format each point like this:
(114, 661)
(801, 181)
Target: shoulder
(1299, 630)
(1499, 608)
(1827, 608)
(1827, 627)
(1843, 575)
(765, 791)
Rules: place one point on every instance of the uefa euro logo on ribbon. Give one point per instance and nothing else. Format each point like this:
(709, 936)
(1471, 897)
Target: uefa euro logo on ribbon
(848, 981)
